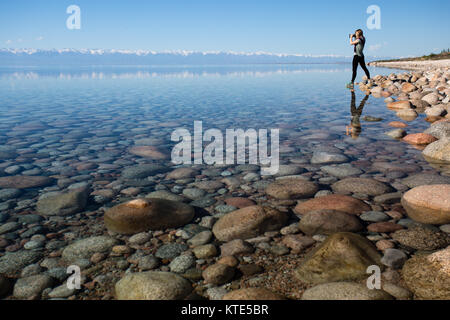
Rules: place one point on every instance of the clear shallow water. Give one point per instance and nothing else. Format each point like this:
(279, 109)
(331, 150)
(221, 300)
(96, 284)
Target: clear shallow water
(95, 114)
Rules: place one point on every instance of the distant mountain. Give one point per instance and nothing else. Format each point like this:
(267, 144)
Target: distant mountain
(68, 57)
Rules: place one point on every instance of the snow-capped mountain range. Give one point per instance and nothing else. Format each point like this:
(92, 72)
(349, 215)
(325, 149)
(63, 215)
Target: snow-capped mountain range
(35, 57)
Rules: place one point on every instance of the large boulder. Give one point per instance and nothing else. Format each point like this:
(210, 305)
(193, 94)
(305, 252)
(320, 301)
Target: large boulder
(152, 285)
(328, 222)
(63, 204)
(292, 188)
(248, 222)
(370, 187)
(344, 291)
(438, 151)
(439, 129)
(429, 204)
(421, 238)
(428, 276)
(147, 214)
(341, 257)
(333, 202)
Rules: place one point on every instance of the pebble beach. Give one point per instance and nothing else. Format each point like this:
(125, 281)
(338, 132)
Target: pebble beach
(108, 200)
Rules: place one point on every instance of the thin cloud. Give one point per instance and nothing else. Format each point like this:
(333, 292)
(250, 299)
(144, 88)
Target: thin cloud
(40, 38)
(8, 41)
(376, 47)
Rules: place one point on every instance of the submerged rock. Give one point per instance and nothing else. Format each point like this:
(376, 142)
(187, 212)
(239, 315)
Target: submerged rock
(252, 294)
(152, 285)
(292, 188)
(341, 257)
(333, 202)
(421, 238)
(63, 204)
(25, 182)
(370, 187)
(147, 214)
(248, 222)
(328, 222)
(344, 291)
(428, 276)
(85, 248)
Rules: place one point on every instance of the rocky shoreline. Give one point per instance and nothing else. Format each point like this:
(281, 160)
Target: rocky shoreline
(429, 65)
(141, 228)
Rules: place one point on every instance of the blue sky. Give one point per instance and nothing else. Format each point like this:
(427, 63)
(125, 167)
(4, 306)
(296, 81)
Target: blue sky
(408, 27)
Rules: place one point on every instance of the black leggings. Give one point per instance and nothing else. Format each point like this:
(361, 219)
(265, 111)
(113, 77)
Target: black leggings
(357, 59)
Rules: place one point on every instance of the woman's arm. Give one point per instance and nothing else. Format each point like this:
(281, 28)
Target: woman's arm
(352, 43)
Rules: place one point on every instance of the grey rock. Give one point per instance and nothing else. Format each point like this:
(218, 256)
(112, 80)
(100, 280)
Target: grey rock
(85, 248)
(170, 250)
(15, 261)
(394, 258)
(182, 263)
(32, 286)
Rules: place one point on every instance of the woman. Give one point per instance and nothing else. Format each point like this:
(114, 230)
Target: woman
(358, 58)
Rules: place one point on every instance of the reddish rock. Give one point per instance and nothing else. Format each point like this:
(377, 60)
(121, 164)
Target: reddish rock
(297, 242)
(182, 173)
(248, 222)
(384, 244)
(291, 188)
(147, 214)
(397, 124)
(399, 105)
(408, 87)
(384, 227)
(419, 138)
(429, 204)
(328, 222)
(337, 202)
(239, 202)
(148, 152)
(230, 261)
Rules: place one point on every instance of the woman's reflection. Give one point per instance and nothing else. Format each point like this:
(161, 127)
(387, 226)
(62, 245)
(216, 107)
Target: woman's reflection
(355, 125)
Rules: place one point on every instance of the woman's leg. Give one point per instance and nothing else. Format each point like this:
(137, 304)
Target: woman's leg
(362, 62)
(355, 67)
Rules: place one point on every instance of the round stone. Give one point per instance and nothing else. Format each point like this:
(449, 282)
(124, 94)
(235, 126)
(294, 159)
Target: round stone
(85, 248)
(248, 222)
(328, 221)
(147, 214)
(421, 238)
(429, 204)
(292, 188)
(370, 187)
(428, 276)
(218, 274)
(344, 291)
(337, 202)
(152, 285)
